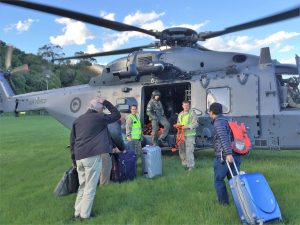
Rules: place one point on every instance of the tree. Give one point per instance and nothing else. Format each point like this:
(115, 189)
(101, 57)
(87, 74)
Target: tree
(49, 52)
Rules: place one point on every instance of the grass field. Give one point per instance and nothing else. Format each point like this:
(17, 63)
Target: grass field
(33, 157)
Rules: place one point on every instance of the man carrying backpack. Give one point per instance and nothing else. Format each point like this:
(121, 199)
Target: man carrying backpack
(223, 152)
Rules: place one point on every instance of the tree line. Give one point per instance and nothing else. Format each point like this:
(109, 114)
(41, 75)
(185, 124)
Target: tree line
(43, 71)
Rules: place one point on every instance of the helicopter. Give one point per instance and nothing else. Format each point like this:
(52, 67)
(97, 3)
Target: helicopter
(251, 88)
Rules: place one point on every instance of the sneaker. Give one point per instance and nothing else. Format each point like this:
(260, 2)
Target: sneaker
(75, 218)
(92, 215)
(190, 168)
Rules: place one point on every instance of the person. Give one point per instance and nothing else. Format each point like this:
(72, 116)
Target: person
(106, 169)
(188, 119)
(293, 95)
(134, 129)
(89, 140)
(223, 151)
(156, 114)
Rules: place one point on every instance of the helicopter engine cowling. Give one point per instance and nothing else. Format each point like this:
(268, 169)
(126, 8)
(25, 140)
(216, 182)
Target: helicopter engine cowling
(130, 70)
(153, 67)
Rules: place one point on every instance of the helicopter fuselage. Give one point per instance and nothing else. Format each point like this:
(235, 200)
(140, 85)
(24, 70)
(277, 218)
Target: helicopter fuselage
(248, 90)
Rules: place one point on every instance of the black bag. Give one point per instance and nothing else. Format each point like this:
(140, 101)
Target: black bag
(68, 184)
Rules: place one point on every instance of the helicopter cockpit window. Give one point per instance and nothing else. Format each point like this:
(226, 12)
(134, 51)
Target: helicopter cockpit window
(289, 91)
(220, 95)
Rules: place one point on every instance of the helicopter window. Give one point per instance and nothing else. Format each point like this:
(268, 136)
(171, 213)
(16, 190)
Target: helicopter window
(220, 95)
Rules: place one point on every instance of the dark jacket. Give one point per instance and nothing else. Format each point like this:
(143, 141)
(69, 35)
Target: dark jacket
(89, 135)
(222, 136)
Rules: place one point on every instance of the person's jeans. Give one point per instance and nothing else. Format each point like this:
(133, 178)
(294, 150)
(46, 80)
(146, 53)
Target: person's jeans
(220, 172)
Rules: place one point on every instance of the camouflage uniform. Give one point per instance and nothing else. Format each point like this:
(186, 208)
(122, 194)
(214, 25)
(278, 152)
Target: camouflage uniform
(156, 114)
(186, 148)
(292, 96)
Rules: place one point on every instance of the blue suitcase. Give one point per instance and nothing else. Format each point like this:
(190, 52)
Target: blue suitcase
(151, 161)
(253, 198)
(123, 166)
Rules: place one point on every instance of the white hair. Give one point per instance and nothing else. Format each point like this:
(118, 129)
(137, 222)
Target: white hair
(95, 104)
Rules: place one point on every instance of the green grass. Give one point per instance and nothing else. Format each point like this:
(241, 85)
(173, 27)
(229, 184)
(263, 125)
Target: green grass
(33, 158)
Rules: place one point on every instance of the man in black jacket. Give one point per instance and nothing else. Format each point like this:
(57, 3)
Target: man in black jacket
(90, 139)
(223, 151)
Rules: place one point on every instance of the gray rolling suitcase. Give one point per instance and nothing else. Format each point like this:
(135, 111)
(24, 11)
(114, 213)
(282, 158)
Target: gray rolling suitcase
(151, 161)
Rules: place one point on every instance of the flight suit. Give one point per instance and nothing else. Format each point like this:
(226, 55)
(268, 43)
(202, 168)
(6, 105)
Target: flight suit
(156, 114)
(292, 96)
(186, 148)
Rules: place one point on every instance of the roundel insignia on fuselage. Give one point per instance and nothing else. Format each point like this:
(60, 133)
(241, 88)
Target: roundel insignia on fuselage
(75, 105)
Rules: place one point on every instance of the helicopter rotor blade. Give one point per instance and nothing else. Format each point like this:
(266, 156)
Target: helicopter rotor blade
(8, 57)
(108, 53)
(255, 23)
(20, 69)
(80, 17)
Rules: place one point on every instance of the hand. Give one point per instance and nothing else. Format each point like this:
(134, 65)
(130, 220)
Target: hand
(128, 139)
(115, 150)
(185, 127)
(229, 158)
(101, 99)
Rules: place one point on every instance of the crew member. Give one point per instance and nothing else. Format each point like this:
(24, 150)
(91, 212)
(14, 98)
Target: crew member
(188, 119)
(134, 129)
(156, 114)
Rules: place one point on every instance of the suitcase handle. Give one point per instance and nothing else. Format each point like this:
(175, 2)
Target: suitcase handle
(236, 169)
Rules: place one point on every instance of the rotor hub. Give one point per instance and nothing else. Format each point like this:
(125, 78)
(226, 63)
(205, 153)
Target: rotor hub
(179, 36)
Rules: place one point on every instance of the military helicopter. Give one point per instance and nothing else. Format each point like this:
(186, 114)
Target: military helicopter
(251, 88)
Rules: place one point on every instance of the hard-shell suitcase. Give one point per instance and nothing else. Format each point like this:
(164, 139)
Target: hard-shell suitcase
(123, 166)
(151, 161)
(253, 198)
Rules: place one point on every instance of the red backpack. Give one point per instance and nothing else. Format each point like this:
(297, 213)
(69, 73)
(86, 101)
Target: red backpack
(240, 141)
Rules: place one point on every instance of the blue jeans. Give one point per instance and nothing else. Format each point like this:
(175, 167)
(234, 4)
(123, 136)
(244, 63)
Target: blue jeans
(220, 172)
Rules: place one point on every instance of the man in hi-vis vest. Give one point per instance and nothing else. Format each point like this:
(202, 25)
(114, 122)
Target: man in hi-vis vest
(188, 119)
(134, 129)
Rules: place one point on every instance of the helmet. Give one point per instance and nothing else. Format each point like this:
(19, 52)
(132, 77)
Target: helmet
(293, 81)
(156, 93)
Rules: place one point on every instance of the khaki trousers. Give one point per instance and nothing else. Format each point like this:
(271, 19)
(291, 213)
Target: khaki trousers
(106, 169)
(186, 151)
(88, 170)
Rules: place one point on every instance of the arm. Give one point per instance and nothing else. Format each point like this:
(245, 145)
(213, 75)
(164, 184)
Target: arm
(128, 128)
(72, 144)
(193, 122)
(115, 114)
(150, 111)
(162, 109)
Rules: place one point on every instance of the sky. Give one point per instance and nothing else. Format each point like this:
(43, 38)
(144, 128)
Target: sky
(29, 30)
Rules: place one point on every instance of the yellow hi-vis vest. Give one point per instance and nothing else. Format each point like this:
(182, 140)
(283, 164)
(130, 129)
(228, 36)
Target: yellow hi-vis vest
(136, 129)
(186, 120)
